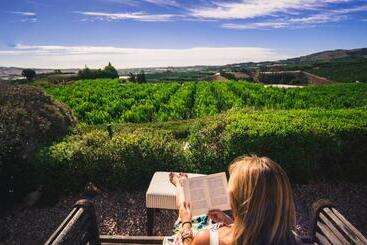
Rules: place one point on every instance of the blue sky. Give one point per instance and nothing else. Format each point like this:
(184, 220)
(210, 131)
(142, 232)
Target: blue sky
(150, 33)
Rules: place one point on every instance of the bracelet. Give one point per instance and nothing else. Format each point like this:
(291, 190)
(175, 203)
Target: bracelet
(186, 222)
(186, 234)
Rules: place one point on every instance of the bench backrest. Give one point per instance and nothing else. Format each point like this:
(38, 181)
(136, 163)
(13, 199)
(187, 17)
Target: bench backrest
(329, 226)
(79, 227)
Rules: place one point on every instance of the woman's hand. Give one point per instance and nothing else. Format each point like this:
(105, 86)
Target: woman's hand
(185, 212)
(218, 216)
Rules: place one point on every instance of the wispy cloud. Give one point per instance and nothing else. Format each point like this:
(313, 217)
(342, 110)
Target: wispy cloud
(24, 13)
(77, 56)
(293, 23)
(258, 14)
(26, 16)
(138, 16)
(164, 2)
(324, 16)
(256, 8)
(276, 24)
(171, 3)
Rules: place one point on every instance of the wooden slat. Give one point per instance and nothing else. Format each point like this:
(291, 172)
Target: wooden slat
(132, 239)
(333, 229)
(323, 240)
(62, 226)
(69, 226)
(342, 226)
(335, 219)
(357, 233)
(329, 234)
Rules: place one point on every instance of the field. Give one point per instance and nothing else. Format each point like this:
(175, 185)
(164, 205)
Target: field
(315, 133)
(109, 101)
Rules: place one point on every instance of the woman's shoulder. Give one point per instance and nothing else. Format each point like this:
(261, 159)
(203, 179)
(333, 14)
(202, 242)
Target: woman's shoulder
(202, 238)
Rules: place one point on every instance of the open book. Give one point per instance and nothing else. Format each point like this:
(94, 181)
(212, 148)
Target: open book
(207, 193)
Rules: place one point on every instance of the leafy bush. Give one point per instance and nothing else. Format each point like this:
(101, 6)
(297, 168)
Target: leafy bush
(126, 161)
(28, 119)
(108, 72)
(309, 144)
(30, 74)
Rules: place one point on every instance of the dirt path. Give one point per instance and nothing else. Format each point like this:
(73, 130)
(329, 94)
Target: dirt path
(124, 213)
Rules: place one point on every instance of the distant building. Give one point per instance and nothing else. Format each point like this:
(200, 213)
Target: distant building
(241, 76)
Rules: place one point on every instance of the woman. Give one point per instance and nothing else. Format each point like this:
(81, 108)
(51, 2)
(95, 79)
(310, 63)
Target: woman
(262, 207)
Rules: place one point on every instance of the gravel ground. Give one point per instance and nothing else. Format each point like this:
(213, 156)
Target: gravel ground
(124, 213)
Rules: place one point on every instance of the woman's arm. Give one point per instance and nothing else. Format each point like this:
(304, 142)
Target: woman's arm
(203, 238)
(186, 217)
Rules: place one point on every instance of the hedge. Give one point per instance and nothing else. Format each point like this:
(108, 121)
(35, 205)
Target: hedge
(28, 119)
(309, 144)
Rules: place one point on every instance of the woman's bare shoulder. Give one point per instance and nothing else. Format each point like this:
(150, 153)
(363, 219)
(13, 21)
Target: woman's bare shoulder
(202, 238)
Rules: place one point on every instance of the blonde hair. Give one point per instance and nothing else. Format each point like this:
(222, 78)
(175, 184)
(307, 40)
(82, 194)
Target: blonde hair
(262, 202)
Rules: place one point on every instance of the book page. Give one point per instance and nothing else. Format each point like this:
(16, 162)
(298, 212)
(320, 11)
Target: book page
(217, 190)
(207, 193)
(196, 193)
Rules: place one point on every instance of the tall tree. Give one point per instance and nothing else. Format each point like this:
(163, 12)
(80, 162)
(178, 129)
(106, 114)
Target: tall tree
(110, 71)
(30, 74)
(132, 77)
(141, 77)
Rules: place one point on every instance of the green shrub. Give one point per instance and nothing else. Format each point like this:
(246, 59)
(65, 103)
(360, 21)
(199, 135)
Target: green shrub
(126, 161)
(28, 119)
(108, 72)
(309, 144)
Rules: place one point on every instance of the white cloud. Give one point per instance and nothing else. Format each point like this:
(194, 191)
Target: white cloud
(256, 8)
(24, 13)
(139, 16)
(26, 16)
(292, 23)
(170, 3)
(276, 24)
(351, 10)
(326, 16)
(78, 56)
(164, 2)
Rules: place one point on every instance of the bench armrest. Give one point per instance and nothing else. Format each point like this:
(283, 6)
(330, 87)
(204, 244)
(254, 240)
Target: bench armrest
(329, 226)
(79, 227)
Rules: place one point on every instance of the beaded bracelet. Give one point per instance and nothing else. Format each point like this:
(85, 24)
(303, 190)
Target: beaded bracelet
(186, 222)
(186, 234)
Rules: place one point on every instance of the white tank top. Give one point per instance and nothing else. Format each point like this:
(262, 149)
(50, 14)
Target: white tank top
(214, 234)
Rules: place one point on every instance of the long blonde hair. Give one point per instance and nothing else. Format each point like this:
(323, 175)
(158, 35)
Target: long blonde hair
(262, 202)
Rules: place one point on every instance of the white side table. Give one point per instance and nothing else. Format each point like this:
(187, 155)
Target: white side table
(161, 194)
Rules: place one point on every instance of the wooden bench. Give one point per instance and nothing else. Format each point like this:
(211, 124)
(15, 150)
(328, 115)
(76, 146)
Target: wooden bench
(329, 226)
(81, 227)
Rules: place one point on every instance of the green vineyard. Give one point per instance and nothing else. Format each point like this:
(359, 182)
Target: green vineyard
(109, 101)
